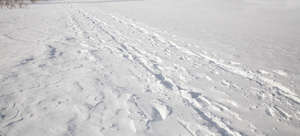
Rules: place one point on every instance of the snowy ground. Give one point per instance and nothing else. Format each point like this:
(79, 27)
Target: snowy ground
(152, 67)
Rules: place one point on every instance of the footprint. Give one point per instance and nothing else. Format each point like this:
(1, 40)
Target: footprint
(26, 61)
(160, 111)
(52, 52)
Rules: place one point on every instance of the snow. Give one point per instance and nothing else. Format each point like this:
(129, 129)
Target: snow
(152, 67)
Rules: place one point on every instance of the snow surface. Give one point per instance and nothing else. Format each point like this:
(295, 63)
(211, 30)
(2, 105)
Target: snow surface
(152, 67)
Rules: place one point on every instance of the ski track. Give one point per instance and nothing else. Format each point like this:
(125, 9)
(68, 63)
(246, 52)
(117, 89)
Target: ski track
(84, 84)
(222, 128)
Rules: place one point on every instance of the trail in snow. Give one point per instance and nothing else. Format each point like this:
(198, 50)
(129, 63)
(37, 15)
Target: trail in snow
(110, 75)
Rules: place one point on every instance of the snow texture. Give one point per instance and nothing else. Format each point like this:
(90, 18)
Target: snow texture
(84, 68)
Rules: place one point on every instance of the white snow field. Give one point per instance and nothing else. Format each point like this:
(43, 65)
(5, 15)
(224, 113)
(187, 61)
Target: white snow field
(150, 68)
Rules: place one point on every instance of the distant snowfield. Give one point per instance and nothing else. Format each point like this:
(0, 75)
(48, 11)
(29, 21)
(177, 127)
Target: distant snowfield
(152, 67)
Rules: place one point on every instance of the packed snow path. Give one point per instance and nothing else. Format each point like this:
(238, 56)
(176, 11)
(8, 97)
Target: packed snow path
(76, 73)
